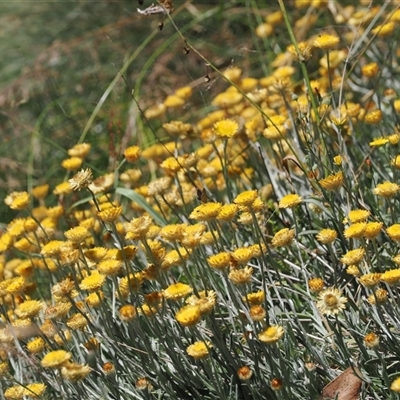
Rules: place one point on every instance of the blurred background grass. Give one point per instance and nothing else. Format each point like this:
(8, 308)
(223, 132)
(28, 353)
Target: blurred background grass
(59, 58)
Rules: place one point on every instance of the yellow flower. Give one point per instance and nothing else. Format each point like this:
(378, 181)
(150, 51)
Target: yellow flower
(331, 301)
(14, 392)
(226, 128)
(378, 297)
(173, 232)
(243, 255)
(77, 234)
(353, 256)
(384, 30)
(370, 70)
(17, 200)
(240, 276)
(177, 291)
(370, 280)
(199, 349)
(132, 153)
(29, 308)
(173, 101)
(332, 182)
(16, 285)
(94, 299)
(395, 386)
(393, 232)
(72, 164)
(56, 359)
(316, 284)
(373, 117)
(337, 160)
(284, 237)
(57, 311)
(206, 212)
(138, 227)
(391, 277)
(62, 188)
(40, 192)
(379, 142)
(257, 313)
(109, 267)
(188, 315)
(35, 389)
(255, 298)
(130, 282)
(127, 312)
(353, 270)
(355, 231)
(326, 236)
(184, 92)
(36, 345)
(96, 254)
(206, 301)
(220, 260)
(155, 111)
(358, 216)
(290, 201)
(244, 373)
(81, 180)
(326, 41)
(110, 214)
(77, 321)
(227, 212)
(92, 282)
(75, 372)
(271, 334)
(227, 99)
(246, 198)
(175, 257)
(80, 150)
(171, 165)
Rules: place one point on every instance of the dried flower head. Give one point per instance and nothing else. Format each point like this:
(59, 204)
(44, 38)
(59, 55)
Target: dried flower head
(81, 180)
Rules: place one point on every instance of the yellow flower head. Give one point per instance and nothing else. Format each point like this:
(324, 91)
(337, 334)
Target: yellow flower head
(77, 321)
(132, 154)
(109, 267)
(370, 280)
(92, 282)
(372, 230)
(326, 236)
(284, 237)
(290, 201)
(272, 334)
(220, 260)
(177, 291)
(373, 117)
(75, 372)
(246, 198)
(199, 349)
(391, 277)
(243, 255)
(56, 359)
(228, 212)
(378, 297)
(331, 301)
(358, 216)
(40, 192)
(80, 150)
(355, 231)
(326, 41)
(226, 128)
(206, 301)
(353, 256)
(36, 345)
(370, 70)
(17, 200)
(77, 234)
(188, 315)
(255, 298)
(127, 312)
(29, 308)
(332, 182)
(241, 276)
(110, 214)
(393, 232)
(72, 164)
(206, 212)
(316, 284)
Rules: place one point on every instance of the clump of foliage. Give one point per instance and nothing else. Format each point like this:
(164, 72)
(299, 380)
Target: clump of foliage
(247, 252)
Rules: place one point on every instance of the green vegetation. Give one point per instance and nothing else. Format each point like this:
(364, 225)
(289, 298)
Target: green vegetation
(200, 204)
